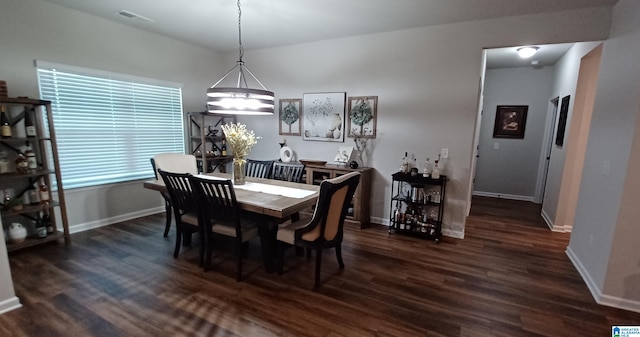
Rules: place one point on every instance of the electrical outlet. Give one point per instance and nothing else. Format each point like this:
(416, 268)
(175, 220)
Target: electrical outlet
(444, 153)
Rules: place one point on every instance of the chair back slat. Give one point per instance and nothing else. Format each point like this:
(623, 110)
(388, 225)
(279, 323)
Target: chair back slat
(216, 200)
(180, 191)
(258, 168)
(287, 171)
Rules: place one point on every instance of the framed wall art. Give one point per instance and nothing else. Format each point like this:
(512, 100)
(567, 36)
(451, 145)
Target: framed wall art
(290, 117)
(323, 116)
(362, 116)
(562, 120)
(510, 121)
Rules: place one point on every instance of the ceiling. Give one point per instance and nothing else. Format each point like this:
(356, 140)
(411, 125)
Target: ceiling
(508, 57)
(271, 23)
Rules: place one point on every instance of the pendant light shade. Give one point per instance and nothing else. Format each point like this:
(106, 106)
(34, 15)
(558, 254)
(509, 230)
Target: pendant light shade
(240, 100)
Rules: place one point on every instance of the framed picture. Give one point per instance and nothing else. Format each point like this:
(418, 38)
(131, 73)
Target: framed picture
(290, 117)
(510, 121)
(562, 120)
(323, 116)
(362, 116)
(344, 155)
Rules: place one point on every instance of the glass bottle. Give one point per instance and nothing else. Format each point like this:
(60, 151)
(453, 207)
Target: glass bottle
(22, 166)
(435, 174)
(29, 124)
(223, 150)
(41, 228)
(405, 163)
(34, 196)
(32, 163)
(44, 194)
(46, 221)
(426, 168)
(4, 162)
(4, 123)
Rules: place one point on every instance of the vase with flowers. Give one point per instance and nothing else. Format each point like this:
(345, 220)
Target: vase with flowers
(241, 141)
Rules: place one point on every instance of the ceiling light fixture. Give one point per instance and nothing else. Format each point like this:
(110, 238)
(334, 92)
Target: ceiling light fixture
(527, 52)
(240, 100)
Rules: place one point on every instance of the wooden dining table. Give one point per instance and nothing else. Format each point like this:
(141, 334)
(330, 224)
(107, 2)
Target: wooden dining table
(273, 201)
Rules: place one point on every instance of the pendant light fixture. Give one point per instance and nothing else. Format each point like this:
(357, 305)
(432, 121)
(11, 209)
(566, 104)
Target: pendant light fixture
(240, 100)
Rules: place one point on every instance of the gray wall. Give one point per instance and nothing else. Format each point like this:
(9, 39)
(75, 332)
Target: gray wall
(604, 241)
(565, 80)
(511, 170)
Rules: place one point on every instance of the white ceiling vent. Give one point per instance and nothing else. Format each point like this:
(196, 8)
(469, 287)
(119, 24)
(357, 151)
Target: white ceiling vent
(130, 15)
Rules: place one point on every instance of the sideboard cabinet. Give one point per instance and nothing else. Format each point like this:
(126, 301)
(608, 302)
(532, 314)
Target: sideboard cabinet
(359, 214)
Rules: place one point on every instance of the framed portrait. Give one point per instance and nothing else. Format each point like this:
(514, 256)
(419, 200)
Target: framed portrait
(290, 116)
(510, 121)
(362, 116)
(323, 116)
(562, 120)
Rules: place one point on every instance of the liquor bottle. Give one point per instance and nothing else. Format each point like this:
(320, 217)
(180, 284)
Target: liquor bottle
(41, 227)
(34, 196)
(44, 194)
(435, 174)
(22, 166)
(29, 124)
(4, 123)
(405, 163)
(46, 221)
(32, 163)
(4, 162)
(224, 148)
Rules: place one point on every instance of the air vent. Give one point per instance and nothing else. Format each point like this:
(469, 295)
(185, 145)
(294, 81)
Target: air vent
(134, 16)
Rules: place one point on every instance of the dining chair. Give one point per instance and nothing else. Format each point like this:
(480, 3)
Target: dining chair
(325, 228)
(287, 171)
(185, 209)
(220, 214)
(172, 162)
(258, 168)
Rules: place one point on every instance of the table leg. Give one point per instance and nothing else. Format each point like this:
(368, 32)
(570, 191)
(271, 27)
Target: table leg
(268, 231)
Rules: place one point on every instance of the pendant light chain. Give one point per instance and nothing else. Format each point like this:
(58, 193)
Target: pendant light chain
(241, 47)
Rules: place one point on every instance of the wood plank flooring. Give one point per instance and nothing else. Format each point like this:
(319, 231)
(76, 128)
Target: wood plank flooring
(509, 277)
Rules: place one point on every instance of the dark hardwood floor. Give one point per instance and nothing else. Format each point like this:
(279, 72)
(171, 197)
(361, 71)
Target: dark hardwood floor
(509, 277)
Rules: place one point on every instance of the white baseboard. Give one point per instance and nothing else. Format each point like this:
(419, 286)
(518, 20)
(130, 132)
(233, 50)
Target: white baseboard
(596, 293)
(9, 304)
(445, 232)
(552, 226)
(109, 221)
(503, 196)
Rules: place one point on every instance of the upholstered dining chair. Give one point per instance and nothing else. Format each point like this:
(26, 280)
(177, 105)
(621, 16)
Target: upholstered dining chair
(172, 162)
(258, 168)
(287, 171)
(220, 214)
(325, 228)
(184, 208)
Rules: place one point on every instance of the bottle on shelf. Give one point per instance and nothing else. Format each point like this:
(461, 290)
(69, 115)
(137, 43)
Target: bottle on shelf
(34, 195)
(223, 150)
(32, 163)
(46, 221)
(435, 174)
(4, 162)
(22, 166)
(44, 194)
(4, 123)
(29, 123)
(426, 168)
(41, 228)
(405, 163)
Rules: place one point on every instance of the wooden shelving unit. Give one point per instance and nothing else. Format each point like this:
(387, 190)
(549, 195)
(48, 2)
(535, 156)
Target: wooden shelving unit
(45, 149)
(205, 134)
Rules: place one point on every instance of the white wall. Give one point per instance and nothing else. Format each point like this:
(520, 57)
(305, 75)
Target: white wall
(604, 241)
(565, 80)
(511, 170)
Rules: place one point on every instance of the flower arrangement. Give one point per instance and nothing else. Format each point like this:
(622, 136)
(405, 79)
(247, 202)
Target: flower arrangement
(240, 139)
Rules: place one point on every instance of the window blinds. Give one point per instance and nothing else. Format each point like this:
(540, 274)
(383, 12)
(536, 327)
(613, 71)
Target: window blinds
(109, 125)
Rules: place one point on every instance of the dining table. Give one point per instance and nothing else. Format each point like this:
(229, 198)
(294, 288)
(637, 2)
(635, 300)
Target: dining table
(270, 201)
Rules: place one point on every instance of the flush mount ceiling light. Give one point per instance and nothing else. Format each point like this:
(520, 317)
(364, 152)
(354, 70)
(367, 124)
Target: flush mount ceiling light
(240, 100)
(527, 52)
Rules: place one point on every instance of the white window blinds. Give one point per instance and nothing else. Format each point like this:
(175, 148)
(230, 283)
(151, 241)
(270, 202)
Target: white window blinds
(109, 125)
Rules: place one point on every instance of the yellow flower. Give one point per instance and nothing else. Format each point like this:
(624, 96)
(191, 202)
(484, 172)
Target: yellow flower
(240, 140)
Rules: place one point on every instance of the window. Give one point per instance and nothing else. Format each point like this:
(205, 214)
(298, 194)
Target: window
(109, 125)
